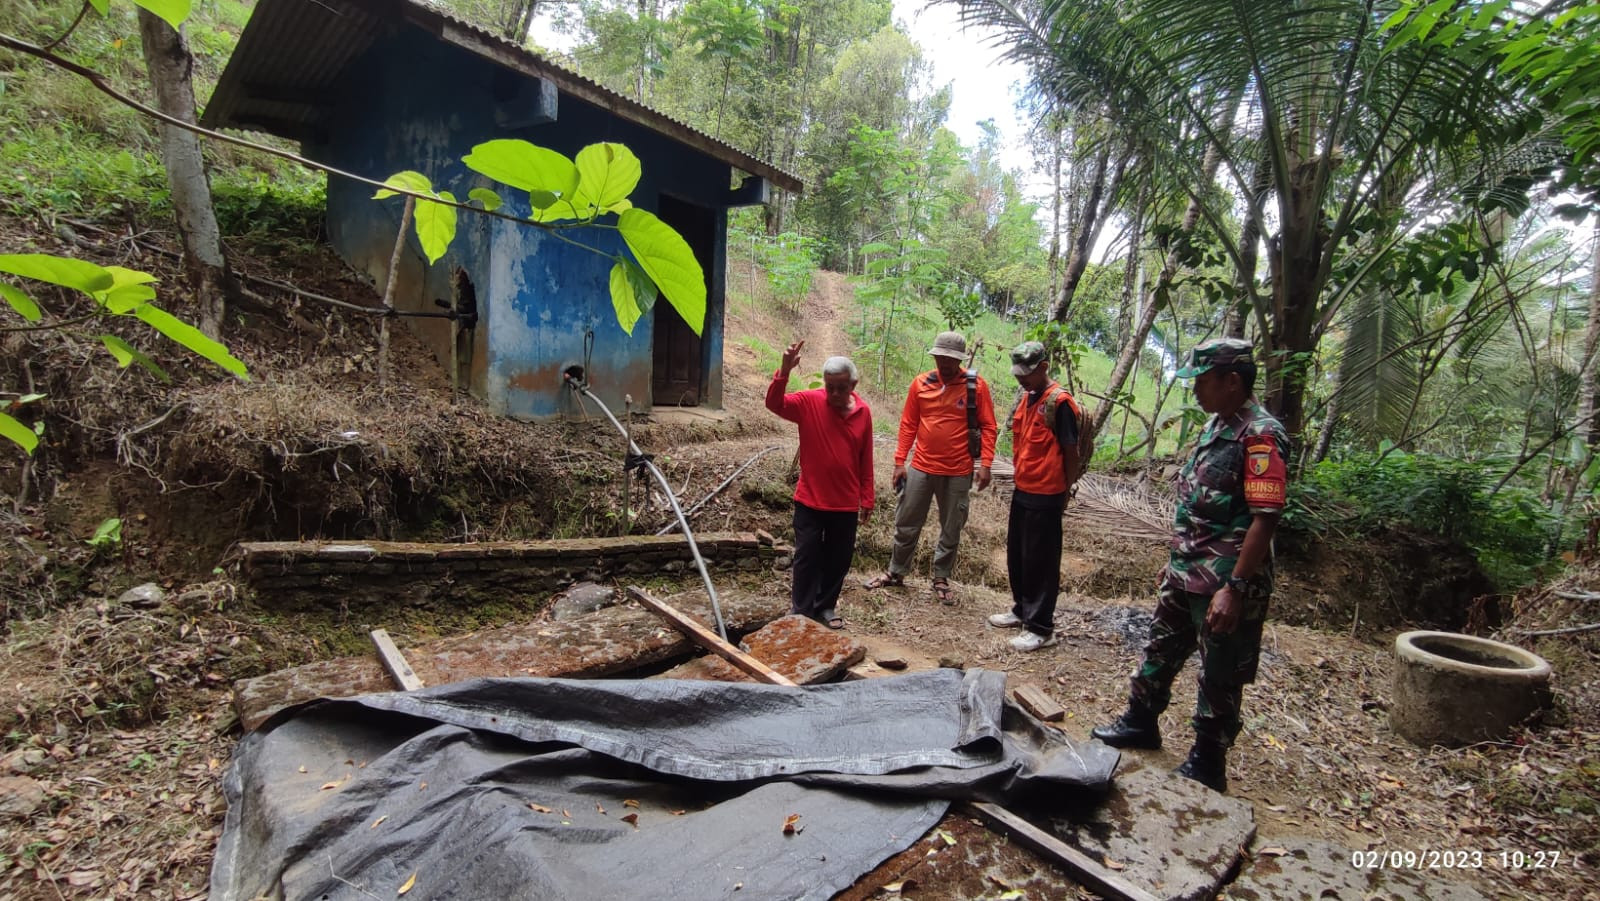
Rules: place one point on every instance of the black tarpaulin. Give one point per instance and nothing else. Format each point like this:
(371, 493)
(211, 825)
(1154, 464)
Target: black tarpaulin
(519, 788)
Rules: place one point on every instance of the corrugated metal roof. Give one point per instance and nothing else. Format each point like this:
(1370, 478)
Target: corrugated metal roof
(292, 53)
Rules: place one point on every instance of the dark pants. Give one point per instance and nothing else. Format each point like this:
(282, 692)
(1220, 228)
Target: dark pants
(824, 543)
(1033, 559)
(1227, 662)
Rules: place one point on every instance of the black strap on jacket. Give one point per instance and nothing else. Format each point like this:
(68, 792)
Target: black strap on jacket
(974, 433)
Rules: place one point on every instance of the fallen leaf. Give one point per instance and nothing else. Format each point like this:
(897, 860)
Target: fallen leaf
(599, 809)
(789, 827)
(379, 821)
(538, 807)
(328, 785)
(630, 803)
(409, 883)
(631, 819)
(302, 768)
(1114, 864)
(83, 878)
(737, 886)
(1273, 851)
(566, 813)
(1012, 895)
(948, 838)
(422, 786)
(679, 813)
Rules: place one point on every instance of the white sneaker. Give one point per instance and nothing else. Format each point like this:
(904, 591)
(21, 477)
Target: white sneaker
(1032, 641)
(1007, 620)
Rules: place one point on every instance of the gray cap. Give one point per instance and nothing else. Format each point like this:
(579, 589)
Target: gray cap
(1217, 352)
(949, 344)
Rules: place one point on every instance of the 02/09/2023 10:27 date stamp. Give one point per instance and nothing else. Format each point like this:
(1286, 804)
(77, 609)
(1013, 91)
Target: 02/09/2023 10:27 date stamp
(1472, 859)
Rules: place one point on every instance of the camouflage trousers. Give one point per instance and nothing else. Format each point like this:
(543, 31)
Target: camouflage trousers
(1227, 662)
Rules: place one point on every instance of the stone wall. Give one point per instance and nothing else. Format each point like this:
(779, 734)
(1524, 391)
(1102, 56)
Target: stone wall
(321, 574)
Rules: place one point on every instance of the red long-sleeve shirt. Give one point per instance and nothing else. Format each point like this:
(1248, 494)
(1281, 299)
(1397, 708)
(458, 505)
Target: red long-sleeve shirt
(835, 448)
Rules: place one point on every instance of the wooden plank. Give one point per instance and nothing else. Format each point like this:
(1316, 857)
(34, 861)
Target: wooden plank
(1035, 701)
(1088, 872)
(394, 661)
(709, 640)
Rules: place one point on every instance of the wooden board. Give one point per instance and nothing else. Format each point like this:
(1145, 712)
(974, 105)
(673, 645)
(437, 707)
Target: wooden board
(1090, 873)
(394, 661)
(1035, 701)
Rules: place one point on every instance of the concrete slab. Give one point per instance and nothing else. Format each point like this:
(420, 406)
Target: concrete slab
(879, 649)
(1308, 868)
(804, 650)
(1172, 837)
(610, 641)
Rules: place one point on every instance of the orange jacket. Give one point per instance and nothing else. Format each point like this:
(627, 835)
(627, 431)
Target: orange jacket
(1036, 453)
(935, 418)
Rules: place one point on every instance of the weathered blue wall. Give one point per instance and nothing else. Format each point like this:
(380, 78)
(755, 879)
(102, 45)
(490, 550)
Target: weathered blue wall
(416, 103)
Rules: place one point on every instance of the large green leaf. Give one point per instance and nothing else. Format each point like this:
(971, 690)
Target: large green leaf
(126, 353)
(408, 180)
(18, 433)
(173, 12)
(664, 254)
(436, 226)
(524, 165)
(192, 338)
(129, 288)
(607, 174)
(20, 302)
(63, 271)
(622, 299)
(103, 7)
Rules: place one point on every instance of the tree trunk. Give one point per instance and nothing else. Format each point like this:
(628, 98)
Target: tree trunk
(1141, 331)
(1244, 277)
(1297, 277)
(1587, 400)
(1102, 191)
(1131, 283)
(167, 57)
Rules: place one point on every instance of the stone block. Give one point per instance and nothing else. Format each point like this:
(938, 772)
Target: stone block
(804, 650)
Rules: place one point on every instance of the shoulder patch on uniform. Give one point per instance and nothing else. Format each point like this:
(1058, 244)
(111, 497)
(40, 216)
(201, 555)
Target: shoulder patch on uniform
(1265, 474)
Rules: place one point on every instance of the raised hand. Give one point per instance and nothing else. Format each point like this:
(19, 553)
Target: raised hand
(791, 357)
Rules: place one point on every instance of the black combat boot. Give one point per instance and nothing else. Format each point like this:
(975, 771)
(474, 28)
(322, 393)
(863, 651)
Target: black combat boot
(1207, 765)
(1136, 728)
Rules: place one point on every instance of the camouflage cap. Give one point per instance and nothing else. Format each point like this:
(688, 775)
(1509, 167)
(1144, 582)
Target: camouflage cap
(1026, 357)
(1217, 352)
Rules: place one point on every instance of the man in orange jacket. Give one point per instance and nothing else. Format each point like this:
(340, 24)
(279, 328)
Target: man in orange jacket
(949, 418)
(1044, 441)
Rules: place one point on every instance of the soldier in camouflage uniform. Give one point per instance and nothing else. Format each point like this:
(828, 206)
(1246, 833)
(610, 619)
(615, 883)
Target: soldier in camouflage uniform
(1218, 578)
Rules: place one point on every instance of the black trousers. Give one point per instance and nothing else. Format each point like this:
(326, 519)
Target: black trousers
(1033, 559)
(824, 544)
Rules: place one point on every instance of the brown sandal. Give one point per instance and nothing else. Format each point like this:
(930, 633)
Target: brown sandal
(887, 580)
(943, 591)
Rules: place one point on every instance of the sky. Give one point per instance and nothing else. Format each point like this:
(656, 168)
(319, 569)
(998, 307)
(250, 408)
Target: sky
(982, 86)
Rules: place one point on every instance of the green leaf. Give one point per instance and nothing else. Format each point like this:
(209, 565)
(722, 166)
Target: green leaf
(18, 433)
(409, 180)
(63, 271)
(20, 302)
(109, 532)
(607, 174)
(542, 200)
(436, 226)
(103, 7)
(30, 398)
(663, 253)
(486, 198)
(192, 338)
(127, 353)
(622, 299)
(524, 165)
(129, 288)
(173, 12)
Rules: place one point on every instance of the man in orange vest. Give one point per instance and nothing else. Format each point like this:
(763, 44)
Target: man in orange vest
(947, 433)
(1044, 441)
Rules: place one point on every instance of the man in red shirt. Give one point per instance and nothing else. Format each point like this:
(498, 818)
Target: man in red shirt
(1044, 440)
(835, 492)
(949, 418)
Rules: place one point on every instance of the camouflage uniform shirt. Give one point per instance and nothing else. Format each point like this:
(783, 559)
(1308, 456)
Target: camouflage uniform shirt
(1237, 470)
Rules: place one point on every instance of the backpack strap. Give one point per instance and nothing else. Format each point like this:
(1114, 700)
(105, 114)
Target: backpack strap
(974, 433)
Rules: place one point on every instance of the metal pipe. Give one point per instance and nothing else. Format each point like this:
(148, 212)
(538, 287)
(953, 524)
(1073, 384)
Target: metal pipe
(582, 387)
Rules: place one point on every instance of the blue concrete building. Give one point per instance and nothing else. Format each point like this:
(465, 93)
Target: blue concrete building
(373, 87)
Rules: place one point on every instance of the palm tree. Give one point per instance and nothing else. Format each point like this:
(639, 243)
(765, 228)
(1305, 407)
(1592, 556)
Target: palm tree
(1309, 109)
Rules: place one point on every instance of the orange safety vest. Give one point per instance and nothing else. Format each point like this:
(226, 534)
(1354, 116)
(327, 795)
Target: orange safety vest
(1037, 458)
